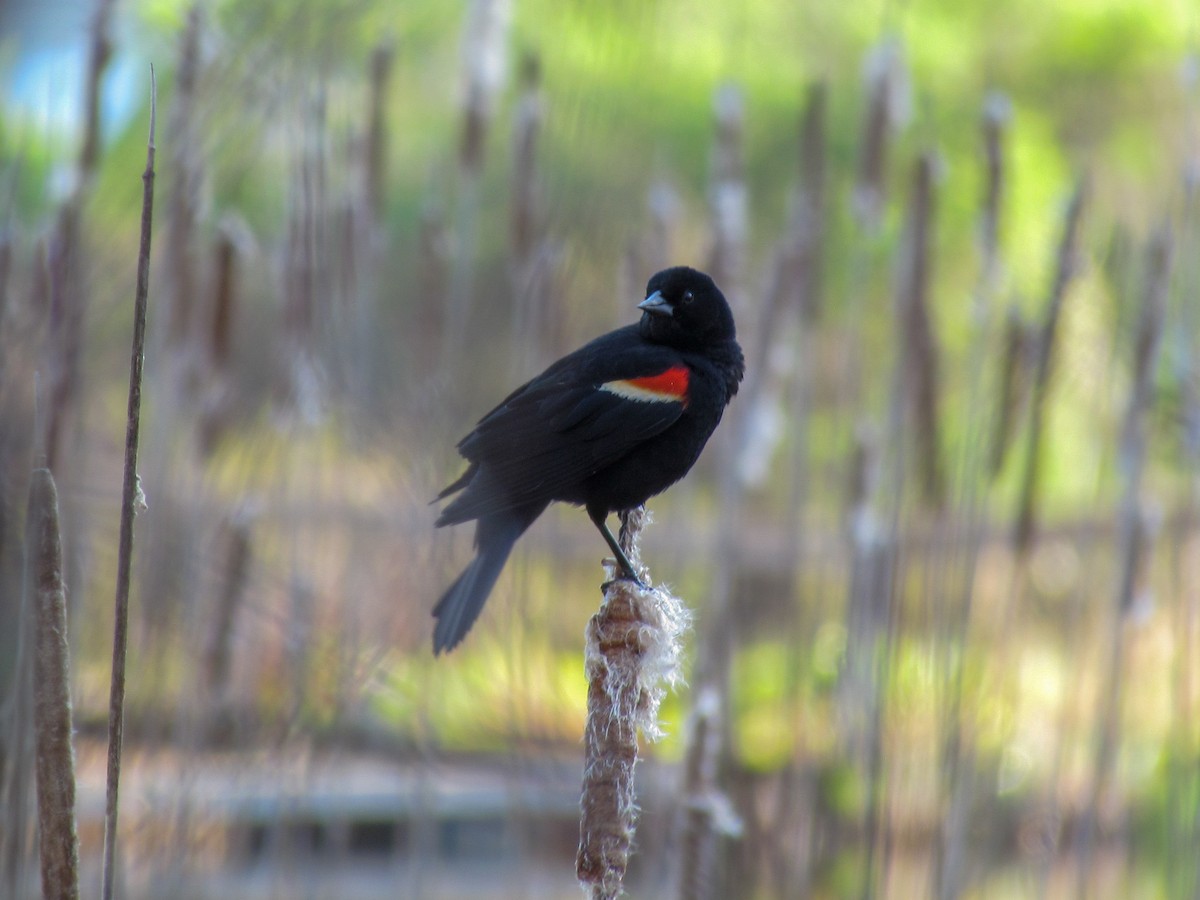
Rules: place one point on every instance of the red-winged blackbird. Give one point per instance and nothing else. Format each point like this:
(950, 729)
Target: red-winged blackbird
(606, 427)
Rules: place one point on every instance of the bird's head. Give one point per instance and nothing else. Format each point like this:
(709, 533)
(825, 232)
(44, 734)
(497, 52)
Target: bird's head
(685, 308)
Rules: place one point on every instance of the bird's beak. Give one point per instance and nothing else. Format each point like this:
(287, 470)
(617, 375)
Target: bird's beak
(656, 305)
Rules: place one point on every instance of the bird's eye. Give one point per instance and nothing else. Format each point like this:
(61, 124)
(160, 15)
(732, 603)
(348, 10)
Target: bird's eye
(688, 297)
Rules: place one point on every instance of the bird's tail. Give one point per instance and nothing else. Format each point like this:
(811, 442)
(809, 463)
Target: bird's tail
(460, 606)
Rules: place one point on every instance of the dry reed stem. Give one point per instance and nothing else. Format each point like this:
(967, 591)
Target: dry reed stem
(184, 164)
(217, 336)
(810, 225)
(306, 269)
(129, 502)
(760, 424)
(55, 757)
(884, 73)
(1065, 271)
(1134, 536)
(1183, 813)
(527, 128)
(99, 52)
(65, 338)
(699, 778)
(867, 597)
(714, 656)
(217, 658)
(383, 58)
(68, 297)
(663, 207)
(1016, 346)
(6, 248)
(18, 747)
(795, 274)
(220, 330)
(484, 51)
(996, 114)
(975, 461)
(434, 243)
(918, 356)
(728, 197)
(706, 811)
(533, 260)
(871, 625)
(633, 646)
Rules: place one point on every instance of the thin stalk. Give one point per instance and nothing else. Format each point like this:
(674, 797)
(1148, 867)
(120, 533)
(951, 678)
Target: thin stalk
(956, 741)
(129, 503)
(183, 191)
(1064, 273)
(727, 192)
(1134, 542)
(918, 353)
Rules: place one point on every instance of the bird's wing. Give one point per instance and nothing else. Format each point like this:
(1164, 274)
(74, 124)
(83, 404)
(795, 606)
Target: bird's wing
(567, 424)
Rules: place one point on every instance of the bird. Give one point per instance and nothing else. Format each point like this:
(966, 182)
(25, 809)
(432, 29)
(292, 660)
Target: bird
(607, 427)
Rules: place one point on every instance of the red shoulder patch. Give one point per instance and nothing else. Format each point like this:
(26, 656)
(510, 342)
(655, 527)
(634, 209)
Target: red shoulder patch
(668, 386)
(673, 382)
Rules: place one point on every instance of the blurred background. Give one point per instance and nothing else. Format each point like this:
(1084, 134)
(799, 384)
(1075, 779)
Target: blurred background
(942, 554)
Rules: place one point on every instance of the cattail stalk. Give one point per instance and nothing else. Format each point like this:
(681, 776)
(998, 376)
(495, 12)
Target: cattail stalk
(216, 664)
(1132, 534)
(707, 812)
(527, 129)
(727, 191)
(383, 59)
(434, 243)
(18, 746)
(306, 275)
(130, 496)
(184, 187)
(918, 357)
(807, 239)
(1007, 651)
(217, 337)
(225, 297)
(533, 259)
(485, 64)
(1066, 269)
(809, 226)
(996, 112)
(1181, 863)
(485, 36)
(65, 337)
(655, 250)
(1015, 352)
(6, 258)
(956, 741)
(791, 288)
(99, 52)
(633, 645)
(67, 289)
(886, 88)
(55, 757)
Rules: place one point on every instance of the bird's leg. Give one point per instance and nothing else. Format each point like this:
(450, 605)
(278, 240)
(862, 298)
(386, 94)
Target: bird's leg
(598, 516)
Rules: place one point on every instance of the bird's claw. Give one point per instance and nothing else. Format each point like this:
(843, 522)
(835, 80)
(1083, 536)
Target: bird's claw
(625, 576)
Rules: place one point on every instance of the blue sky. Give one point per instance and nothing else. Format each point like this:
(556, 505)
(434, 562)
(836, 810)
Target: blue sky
(43, 53)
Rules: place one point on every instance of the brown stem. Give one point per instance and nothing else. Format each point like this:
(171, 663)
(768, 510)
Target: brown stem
(918, 355)
(633, 643)
(129, 501)
(1067, 266)
(57, 840)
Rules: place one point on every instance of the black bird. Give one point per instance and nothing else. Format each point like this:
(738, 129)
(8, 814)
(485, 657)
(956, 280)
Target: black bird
(607, 427)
